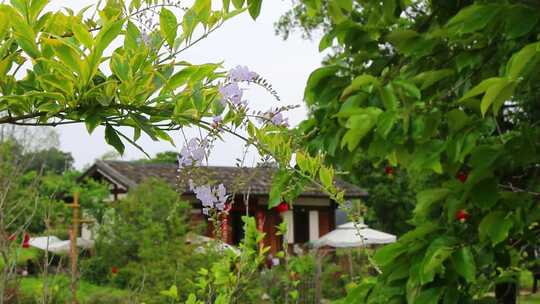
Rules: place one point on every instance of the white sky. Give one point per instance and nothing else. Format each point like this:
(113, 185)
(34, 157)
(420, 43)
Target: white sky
(240, 41)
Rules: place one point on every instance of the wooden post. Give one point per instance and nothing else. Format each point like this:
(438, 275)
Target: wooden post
(318, 273)
(73, 249)
(349, 254)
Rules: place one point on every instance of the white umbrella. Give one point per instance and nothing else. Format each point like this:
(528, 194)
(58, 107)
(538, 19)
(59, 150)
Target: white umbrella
(348, 236)
(53, 244)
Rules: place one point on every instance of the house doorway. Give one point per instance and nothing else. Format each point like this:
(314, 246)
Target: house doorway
(237, 226)
(301, 225)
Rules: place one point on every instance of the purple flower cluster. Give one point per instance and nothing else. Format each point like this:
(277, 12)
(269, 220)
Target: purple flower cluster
(231, 91)
(211, 198)
(242, 73)
(193, 153)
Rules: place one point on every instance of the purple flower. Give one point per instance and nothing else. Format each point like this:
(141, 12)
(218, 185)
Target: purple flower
(242, 73)
(193, 153)
(216, 121)
(232, 92)
(279, 120)
(211, 198)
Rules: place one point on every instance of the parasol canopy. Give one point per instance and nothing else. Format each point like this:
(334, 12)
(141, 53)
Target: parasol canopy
(348, 236)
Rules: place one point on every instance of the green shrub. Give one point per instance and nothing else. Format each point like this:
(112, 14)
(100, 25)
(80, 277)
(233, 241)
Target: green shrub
(143, 238)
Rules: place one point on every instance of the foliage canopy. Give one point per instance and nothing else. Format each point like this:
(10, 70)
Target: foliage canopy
(447, 90)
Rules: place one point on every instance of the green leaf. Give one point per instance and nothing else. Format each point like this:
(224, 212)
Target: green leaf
(427, 79)
(120, 66)
(483, 156)
(480, 88)
(168, 26)
(389, 9)
(36, 7)
(491, 95)
(189, 22)
(81, 33)
(519, 20)
(438, 251)
(427, 198)
(473, 18)
(326, 175)
(334, 9)
(24, 35)
(254, 8)
(346, 5)
(226, 5)
(112, 138)
(388, 97)
(504, 95)
(91, 122)
(104, 38)
(358, 83)
(386, 122)
(495, 226)
(279, 183)
(429, 296)
(387, 254)
(409, 88)
(171, 293)
(457, 120)
(238, 3)
(68, 55)
(359, 125)
(519, 62)
(202, 8)
(315, 79)
(464, 264)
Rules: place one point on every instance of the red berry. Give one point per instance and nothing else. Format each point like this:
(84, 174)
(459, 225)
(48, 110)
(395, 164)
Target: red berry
(389, 170)
(462, 176)
(282, 207)
(462, 215)
(26, 241)
(114, 270)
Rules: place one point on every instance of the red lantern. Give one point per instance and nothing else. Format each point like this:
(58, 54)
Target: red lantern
(26, 240)
(462, 215)
(462, 176)
(282, 207)
(114, 270)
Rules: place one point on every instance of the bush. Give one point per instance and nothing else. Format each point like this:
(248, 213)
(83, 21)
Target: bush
(143, 240)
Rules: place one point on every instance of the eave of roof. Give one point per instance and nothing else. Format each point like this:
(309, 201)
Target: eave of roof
(129, 174)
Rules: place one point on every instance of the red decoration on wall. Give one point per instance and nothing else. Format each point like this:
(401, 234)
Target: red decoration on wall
(26, 240)
(260, 220)
(225, 228)
(282, 207)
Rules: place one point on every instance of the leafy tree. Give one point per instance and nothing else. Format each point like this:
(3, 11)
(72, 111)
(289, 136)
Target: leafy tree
(446, 90)
(169, 157)
(51, 159)
(143, 240)
(70, 76)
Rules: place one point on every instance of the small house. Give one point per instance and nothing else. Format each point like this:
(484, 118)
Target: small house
(313, 213)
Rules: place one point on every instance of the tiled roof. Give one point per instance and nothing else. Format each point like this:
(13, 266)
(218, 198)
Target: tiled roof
(256, 181)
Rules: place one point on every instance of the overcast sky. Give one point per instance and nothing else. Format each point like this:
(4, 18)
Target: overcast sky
(240, 41)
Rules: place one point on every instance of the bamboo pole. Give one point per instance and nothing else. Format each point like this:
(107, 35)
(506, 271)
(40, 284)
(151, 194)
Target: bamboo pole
(73, 249)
